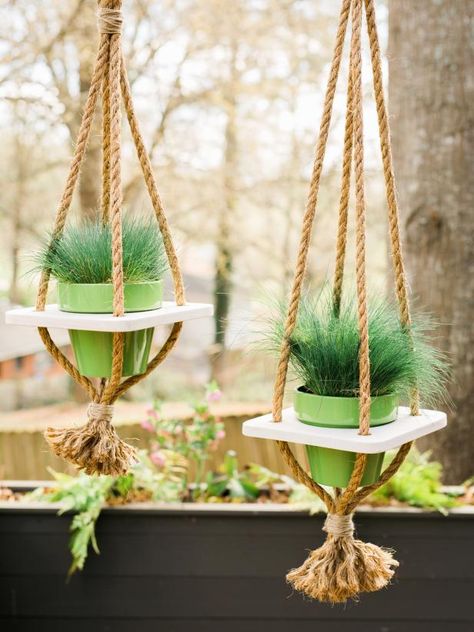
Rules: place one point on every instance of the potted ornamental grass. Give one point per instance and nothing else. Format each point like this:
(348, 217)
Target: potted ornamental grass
(80, 260)
(324, 355)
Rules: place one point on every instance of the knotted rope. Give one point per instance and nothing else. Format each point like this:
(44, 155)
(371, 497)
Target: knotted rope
(344, 567)
(96, 447)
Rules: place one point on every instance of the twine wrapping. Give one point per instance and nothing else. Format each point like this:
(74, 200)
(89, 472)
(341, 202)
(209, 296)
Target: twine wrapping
(96, 447)
(343, 567)
(339, 526)
(109, 21)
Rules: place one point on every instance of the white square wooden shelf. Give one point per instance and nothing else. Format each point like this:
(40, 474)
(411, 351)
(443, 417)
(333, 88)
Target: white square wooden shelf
(53, 317)
(405, 428)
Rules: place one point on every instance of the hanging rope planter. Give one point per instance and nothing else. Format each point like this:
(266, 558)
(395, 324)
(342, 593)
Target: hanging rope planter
(344, 567)
(96, 447)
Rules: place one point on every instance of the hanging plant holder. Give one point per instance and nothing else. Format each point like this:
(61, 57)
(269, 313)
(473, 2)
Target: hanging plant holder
(346, 440)
(111, 325)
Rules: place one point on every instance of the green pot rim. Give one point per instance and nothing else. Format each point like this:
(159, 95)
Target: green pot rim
(126, 283)
(299, 389)
(347, 416)
(97, 298)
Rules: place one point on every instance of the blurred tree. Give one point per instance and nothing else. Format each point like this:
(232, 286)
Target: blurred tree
(431, 55)
(228, 96)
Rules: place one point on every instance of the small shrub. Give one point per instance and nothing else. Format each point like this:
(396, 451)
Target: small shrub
(83, 253)
(324, 350)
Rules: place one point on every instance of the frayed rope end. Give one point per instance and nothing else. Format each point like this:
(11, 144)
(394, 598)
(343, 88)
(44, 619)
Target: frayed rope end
(343, 567)
(95, 447)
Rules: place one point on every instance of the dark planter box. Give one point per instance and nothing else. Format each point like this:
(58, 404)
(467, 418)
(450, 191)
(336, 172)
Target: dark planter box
(216, 569)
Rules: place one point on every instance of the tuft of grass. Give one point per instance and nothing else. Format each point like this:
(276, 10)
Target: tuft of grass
(324, 350)
(83, 253)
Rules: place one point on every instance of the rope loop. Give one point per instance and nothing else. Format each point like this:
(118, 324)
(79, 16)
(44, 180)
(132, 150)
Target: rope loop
(109, 21)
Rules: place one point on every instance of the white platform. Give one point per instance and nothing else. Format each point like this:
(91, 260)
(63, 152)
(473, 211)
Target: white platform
(52, 317)
(381, 438)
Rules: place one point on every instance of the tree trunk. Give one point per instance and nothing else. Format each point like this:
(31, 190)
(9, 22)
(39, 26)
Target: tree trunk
(14, 294)
(431, 57)
(224, 250)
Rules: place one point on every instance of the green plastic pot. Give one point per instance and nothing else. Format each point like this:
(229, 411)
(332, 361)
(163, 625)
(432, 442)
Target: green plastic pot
(334, 467)
(93, 349)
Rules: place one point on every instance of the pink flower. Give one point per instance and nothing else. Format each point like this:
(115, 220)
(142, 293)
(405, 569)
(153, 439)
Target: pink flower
(147, 425)
(214, 396)
(151, 412)
(220, 434)
(158, 458)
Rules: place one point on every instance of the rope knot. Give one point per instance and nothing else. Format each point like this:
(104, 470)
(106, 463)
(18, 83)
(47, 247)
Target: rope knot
(339, 526)
(100, 412)
(109, 21)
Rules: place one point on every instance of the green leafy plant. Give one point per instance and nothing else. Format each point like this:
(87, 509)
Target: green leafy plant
(85, 496)
(324, 350)
(236, 485)
(195, 439)
(417, 483)
(162, 473)
(83, 253)
(229, 481)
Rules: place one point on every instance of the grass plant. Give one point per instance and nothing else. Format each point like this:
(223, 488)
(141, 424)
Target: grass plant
(324, 350)
(83, 253)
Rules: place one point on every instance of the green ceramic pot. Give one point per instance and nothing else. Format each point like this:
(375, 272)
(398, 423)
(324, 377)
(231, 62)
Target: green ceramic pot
(334, 467)
(93, 349)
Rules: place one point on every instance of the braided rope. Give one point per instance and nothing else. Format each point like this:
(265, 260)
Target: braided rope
(105, 196)
(150, 181)
(386, 475)
(62, 360)
(364, 364)
(310, 211)
(341, 240)
(280, 380)
(79, 152)
(387, 161)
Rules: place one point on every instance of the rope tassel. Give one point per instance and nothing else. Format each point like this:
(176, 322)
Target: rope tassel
(343, 567)
(96, 447)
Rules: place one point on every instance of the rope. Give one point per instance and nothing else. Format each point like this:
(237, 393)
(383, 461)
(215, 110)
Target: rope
(279, 387)
(150, 182)
(342, 504)
(105, 196)
(310, 211)
(79, 152)
(88, 446)
(339, 526)
(341, 240)
(386, 149)
(109, 21)
(364, 366)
